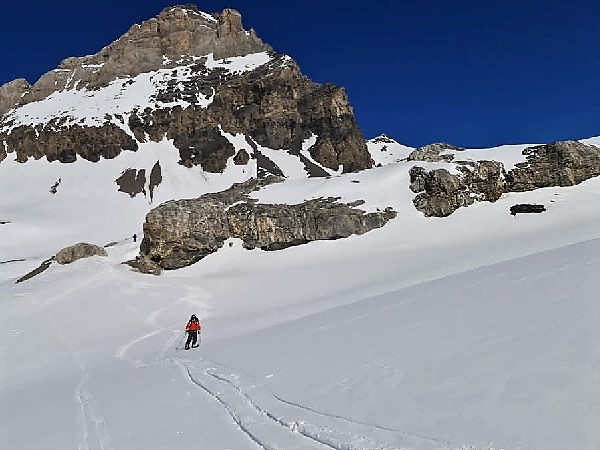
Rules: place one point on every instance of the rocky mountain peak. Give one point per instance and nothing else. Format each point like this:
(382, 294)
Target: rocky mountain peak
(177, 35)
(192, 78)
(382, 139)
(230, 23)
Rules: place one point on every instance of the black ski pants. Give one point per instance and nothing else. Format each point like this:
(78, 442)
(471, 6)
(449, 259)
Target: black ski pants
(192, 338)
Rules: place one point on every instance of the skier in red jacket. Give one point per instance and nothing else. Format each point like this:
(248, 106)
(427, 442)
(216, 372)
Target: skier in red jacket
(192, 328)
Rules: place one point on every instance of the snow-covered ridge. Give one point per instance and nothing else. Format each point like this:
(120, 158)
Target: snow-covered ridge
(85, 107)
(385, 150)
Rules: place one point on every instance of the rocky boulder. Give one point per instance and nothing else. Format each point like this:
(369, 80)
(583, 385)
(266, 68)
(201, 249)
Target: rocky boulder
(180, 233)
(558, 164)
(440, 192)
(434, 152)
(79, 251)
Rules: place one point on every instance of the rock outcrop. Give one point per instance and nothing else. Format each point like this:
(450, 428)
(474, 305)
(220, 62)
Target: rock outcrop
(12, 93)
(440, 192)
(67, 255)
(558, 164)
(434, 152)
(79, 251)
(200, 91)
(180, 233)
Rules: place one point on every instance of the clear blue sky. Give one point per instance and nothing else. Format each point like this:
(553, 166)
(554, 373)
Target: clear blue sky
(472, 73)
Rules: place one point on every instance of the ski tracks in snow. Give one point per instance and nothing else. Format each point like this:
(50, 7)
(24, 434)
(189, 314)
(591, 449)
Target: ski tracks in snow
(271, 422)
(92, 423)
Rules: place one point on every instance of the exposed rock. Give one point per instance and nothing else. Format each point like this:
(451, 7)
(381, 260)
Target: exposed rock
(383, 139)
(176, 35)
(230, 23)
(11, 93)
(444, 192)
(64, 144)
(242, 158)
(440, 192)
(526, 208)
(558, 164)
(132, 182)
(274, 104)
(41, 268)
(155, 178)
(180, 233)
(79, 251)
(434, 152)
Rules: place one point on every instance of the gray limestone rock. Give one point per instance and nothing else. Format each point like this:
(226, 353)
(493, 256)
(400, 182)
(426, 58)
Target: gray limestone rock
(132, 182)
(79, 251)
(440, 192)
(11, 94)
(564, 163)
(433, 152)
(180, 233)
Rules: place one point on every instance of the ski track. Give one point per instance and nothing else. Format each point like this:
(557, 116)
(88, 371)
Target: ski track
(366, 424)
(120, 354)
(89, 414)
(88, 410)
(320, 433)
(270, 430)
(227, 407)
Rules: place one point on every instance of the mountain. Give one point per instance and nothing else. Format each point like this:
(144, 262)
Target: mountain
(188, 77)
(353, 294)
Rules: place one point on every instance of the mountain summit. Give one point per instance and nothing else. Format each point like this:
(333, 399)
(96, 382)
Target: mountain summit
(189, 77)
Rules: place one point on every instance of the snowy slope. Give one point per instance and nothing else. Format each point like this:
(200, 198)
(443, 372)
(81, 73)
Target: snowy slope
(475, 331)
(426, 334)
(76, 105)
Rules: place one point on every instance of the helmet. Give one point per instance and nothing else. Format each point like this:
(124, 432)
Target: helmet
(193, 317)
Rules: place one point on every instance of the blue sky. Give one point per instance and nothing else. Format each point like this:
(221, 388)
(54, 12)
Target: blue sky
(472, 73)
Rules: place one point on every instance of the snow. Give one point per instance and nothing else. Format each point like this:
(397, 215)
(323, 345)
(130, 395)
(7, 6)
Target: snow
(238, 64)
(385, 150)
(475, 331)
(307, 144)
(90, 107)
(509, 155)
(592, 141)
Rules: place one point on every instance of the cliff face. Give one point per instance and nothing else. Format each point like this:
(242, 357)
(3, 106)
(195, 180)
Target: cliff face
(186, 76)
(180, 233)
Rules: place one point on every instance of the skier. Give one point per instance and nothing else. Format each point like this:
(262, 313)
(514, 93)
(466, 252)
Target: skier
(192, 328)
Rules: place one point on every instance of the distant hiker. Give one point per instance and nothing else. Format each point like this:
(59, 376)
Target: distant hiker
(134, 237)
(192, 328)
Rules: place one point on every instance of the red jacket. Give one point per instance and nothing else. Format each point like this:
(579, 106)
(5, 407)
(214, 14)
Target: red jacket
(193, 326)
